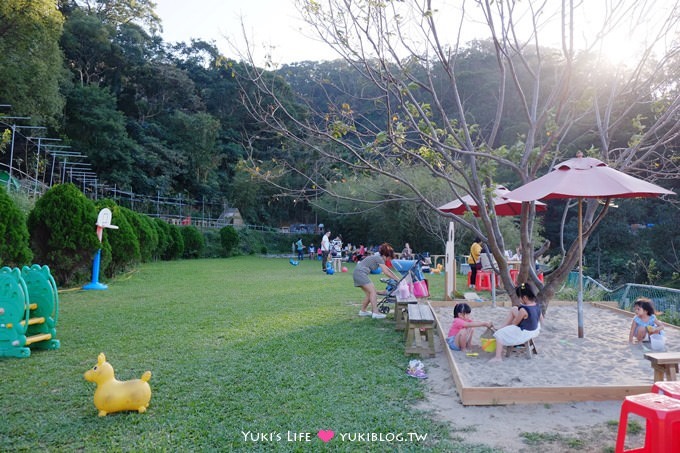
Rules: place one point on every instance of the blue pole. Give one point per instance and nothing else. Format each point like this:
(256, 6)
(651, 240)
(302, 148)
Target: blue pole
(94, 284)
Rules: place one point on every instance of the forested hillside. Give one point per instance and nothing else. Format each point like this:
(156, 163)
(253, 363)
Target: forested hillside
(164, 119)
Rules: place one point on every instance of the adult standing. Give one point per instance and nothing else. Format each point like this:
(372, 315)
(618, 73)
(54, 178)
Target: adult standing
(362, 280)
(474, 260)
(407, 253)
(325, 249)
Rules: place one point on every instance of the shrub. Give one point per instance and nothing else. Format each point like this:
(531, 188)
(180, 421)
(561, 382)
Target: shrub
(213, 246)
(175, 245)
(14, 237)
(193, 242)
(163, 231)
(63, 233)
(145, 231)
(229, 238)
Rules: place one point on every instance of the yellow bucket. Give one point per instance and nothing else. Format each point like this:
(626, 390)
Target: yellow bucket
(489, 344)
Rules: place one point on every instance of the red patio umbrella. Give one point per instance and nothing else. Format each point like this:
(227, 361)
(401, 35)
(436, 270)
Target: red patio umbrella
(505, 206)
(585, 177)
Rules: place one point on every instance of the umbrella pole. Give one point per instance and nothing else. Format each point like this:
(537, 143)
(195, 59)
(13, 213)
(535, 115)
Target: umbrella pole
(580, 270)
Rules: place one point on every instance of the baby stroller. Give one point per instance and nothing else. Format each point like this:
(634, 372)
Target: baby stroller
(425, 262)
(411, 278)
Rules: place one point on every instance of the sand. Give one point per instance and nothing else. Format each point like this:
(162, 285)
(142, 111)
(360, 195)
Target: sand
(602, 357)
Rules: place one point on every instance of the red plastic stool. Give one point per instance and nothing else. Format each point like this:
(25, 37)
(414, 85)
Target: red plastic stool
(513, 276)
(668, 388)
(483, 280)
(662, 434)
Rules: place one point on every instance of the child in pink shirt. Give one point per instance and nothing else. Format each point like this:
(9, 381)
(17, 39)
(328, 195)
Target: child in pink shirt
(460, 334)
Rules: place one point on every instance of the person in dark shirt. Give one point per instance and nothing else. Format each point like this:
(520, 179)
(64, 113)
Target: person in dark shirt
(522, 323)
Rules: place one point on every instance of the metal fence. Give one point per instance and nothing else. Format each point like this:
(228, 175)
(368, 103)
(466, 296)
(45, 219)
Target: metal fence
(665, 299)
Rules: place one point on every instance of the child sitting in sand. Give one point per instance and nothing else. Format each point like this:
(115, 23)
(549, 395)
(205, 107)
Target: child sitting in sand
(460, 334)
(522, 323)
(645, 322)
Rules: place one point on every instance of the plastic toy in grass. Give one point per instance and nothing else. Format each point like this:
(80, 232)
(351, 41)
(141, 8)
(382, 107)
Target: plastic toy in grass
(293, 262)
(416, 369)
(113, 395)
(344, 269)
(330, 271)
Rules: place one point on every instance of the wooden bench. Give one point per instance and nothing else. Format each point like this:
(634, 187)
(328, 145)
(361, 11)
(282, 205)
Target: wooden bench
(528, 348)
(419, 330)
(400, 310)
(665, 365)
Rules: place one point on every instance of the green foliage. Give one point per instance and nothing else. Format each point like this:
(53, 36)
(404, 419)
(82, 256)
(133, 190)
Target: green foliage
(229, 238)
(23, 201)
(163, 231)
(195, 137)
(146, 233)
(670, 317)
(193, 242)
(62, 229)
(98, 128)
(400, 221)
(635, 243)
(175, 247)
(213, 246)
(251, 242)
(123, 241)
(14, 237)
(373, 222)
(32, 64)
(160, 119)
(634, 427)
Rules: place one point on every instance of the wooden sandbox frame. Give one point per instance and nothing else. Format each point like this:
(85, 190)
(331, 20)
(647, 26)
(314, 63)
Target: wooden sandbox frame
(494, 396)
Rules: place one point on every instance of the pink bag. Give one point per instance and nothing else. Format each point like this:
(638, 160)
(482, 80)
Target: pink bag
(420, 289)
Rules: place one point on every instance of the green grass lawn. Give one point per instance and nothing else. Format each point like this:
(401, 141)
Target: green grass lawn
(235, 346)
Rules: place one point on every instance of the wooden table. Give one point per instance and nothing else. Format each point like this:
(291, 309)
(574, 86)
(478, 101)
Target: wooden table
(665, 365)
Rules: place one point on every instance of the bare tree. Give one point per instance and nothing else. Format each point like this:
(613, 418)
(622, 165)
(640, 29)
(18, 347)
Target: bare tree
(551, 70)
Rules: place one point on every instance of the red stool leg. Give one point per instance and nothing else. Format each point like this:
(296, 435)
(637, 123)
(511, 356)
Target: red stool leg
(623, 425)
(483, 280)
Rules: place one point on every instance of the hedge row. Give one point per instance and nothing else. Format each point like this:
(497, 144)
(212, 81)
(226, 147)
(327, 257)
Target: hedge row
(60, 232)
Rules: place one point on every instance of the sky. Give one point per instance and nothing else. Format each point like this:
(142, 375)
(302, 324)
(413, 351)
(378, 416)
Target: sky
(278, 23)
(266, 22)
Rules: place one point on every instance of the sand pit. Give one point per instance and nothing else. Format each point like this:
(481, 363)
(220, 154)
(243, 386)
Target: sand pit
(603, 360)
(603, 357)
